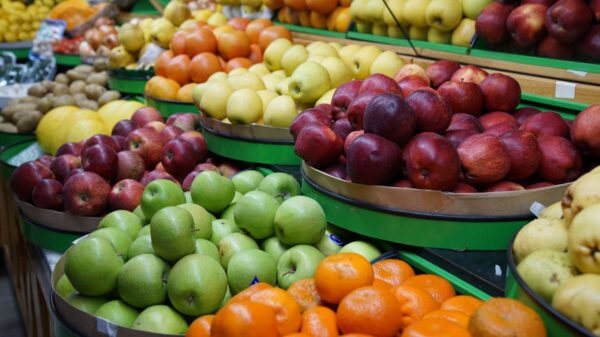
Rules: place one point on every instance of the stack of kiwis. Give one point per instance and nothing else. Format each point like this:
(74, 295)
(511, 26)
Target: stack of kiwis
(84, 86)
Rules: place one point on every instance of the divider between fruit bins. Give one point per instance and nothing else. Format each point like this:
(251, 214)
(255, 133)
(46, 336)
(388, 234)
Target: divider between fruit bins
(170, 107)
(129, 81)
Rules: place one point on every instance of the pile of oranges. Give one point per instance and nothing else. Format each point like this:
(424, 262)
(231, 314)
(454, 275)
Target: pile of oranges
(332, 15)
(349, 297)
(197, 51)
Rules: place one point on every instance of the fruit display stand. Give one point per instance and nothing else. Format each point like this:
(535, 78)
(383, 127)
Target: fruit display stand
(311, 30)
(129, 81)
(70, 60)
(20, 49)
(170, 107)
(7, 139)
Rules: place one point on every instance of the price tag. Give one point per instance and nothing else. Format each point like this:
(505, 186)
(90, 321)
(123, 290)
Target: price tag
(564, 90)
(49, 32)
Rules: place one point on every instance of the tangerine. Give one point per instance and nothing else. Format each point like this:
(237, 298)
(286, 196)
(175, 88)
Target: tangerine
(392, 271)
(299, 5)
(245, 294)
(438, 287)
(322, 7)
(338, 275)
(234, 44)
(238, 62)
(369, 310)
(239, 23)
(244, 318)
(200, 327)
(177, 44)
(463, 303)
(271, 34)
(287, 311)
(503, 317)
(435, 328)
(320, 321)
(199, 41)
(304, 292)
(256, 54)
(160, 65)
(162, 87)
(414, 303)
(177, 69)
(184, 94)
(454, 316)
(203, 66)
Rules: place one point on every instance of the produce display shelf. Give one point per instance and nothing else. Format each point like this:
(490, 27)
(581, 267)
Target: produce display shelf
(311, 30)
(557, 324)
(144, 7)
(21, 49)
(47, 238)
(169, 107)
(129, 81)
(7, 138)
(67, 59)
(6, 154)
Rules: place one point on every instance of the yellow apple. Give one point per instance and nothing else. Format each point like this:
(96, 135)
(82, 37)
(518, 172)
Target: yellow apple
(387, 63)
(281, 73)
(394, 31)
(339, 72)
(363, 26)
(266, 96)
(443, 15)
(414, 12)
(358, 9)
(362, 61)
(374, 11)
(347, 53)
(316, 58)
(218, 76)
(336, 45)
(464, 32)
(379, 29)
(326, 98)
(244, 106)
(293, 57)
(320, 47)
(259, 69)
(418, 33)
(282, 87)
(247, 80)
(437, 36)
(396, 7)
(274, 53)
(238, 71)
(271, 81)
(280, 112)
(309, 82)
(214, 99)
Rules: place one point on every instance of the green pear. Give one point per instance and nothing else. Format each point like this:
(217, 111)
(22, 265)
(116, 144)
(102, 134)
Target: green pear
(131, 37)
(202, 220)
(142, 281)
(538, 234)
(438, 36)
(232, 244)
(579, 299)
(64, 287)
(274, 247)
(443, 15)
(160, 319)
(248, 267)
(274, 53)
(309, 82)
(221, 228)
(244, 106)
(581, 194)
(119, 58)
(363, 60)
(247, 180)
(280, 185)
(159, 194)
(177, 12)
(463, 33)
(553, 211)
(118, 238)
(117, 312)
(414, 11)
(214, 99)
(584, 240)
(205, 247)
(162, 31)
(123, 220)
(339, 72)
(84, 303)
(300, 220)
(255, 213)
(545, 270)
(141, 245)
(281, 112)
(367, 250)
(212, 191)
(294, 57)
(172, 233)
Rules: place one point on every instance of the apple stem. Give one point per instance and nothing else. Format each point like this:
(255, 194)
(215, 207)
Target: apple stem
(291, 271)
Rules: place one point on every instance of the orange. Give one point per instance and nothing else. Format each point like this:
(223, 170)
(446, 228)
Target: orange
(222, 29)
(369, 310)
(392, 272)
(271, 34)
(245, 294)
(332, 18)
(246, 319)
(287, 311)
(414, 303)
(320, 321)
(238, 62)
(356, 335)
(503, 317)
(322, 7)
(222, 62)
(343, 20)
(162, 87)
(318, 21)
(281, 16)
(202, 66)
(304, 18)
(453, 316)
(160, 65)
(345, 3)
(256, 54)
(255, 27)
(199, 41)
(381, 284)
(292, 16)
(438, 287)
(239, 23)
(184, 94)
(304, 292)
(463, 303)
(338, 275)
(177, 69)
(435, 328)
(273, 4)
(298, 334)
(234, 44)
(299, 5)
(200, 327)
(178, 42)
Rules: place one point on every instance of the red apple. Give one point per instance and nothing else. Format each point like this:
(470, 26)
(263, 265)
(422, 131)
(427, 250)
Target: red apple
(189, 179)
(433, 113)
(342, 127)
(62, 165)
(160, 167)
(497, 117)
(504, 186)
(524, 153)
(500, 129)
(197, 140)
(100, 139)
(45, 160)
(47, 193)
(461, 121)
(484, 159)
(309, 116)
(390, 116)
(379, 83)
(70, 148)
(169, 133)
(501, 92)
(179, 157)
(585, 130)
(130, 166)
(86, 194)
(351, 138)
(145, 115)
(318, 145)
(551, 47)
(595, 6)
(560, 161)
(124, 127)
(101, 159)
(26, 176)
(121, 143)
(187, 121)
(147, 143)
(373, 160)
(589, 46)
(337, 170)
(411, 83)
(171, 119)
(411, 69)
(405, 183)
(522, 114)
(464, 188)
(157, 126)
(542, 184)
(327, 109)
(357, 108)
(568, 20)
(547, 123)
(546, 3)
(150, 176)
(469, 73)
(464, 97)
(526, 24)
(126, 194)
(441, 71)
(456, 137)
(206, 167)
(72, 173)
(345, 94)
(432, 162)
(491, 23)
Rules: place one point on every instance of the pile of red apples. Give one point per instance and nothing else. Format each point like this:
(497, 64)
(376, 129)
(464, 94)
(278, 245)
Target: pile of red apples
(450, 128)
(557, 29)
(110, 172)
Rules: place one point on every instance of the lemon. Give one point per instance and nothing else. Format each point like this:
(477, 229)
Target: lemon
(46, 129)
(115, 111)
(68, 124)
(84, 129)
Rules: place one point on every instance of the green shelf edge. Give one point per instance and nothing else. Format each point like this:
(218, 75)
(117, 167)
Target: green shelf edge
(47, 238)
(252, 152)
(20, 53)
(168, 108)
(67, 60)
(144, 7)
(10, 151)
(7, 139)
(127, 86)
(570, 109)
(311, 30)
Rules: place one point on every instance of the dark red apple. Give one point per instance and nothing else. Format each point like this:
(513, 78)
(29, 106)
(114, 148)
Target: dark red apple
(560, 161)
(186, 185)
(309, 116)
(150, 176)
(500, 129)
(45, 160)
(501, 92)
(178, 157)
(547, 123)
(462, 187)
(337, 170)
(47, 193)
(62, 165)
(187, 121)
(524, 154)
(589, 46)
(327, 109)
(125, 194)
(522, 114)
(373, 160)
(432, 112)
(462, 121)
(504, 186)
(70, 148)
(432, 162)
(491, 23)
(100, 139)
(351, 138)
(585, 130)
(390, 116)
(464, 97)
(469, 73)
(130, 166)
(101, 159)
(568, 20)
(484, 159)
(72, 173)
(86, 194)
(171, 119)
(526, 24)
(379, 83)
(121, 143)
(169, 133)
(345, 94)
(318, 145)
(26, 176)
(147, 143)
(497, 117)
(124, 127)
(405, 183)
(441, 71)
(546, 3)
(145, 115)
(342, 127)
(542, 184)
(595, 6)
(456, 137)
(411, 83)
(197, 140)
(156, 126)
(357, 108)
(551, 47)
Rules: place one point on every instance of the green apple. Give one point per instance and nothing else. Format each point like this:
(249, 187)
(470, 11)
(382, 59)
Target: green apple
(387, 63)
(84, 303)
(472, 8)
(330, 243)
(202, 220)
(347, 53)
(64, 287)
(247, 180)
(363, 60)
(244, 106)
(294, 57)
(396, 12)
(271, 81)
(144, 231)
(443, 15)
(140, 214)
(197, 285)
(414, 12)
(123, 220)
(297, 263)
(321, 48)
(172, 233)
(374, 11)
(117, 312)
(418, 33)
(236, 197)
(92, 266)
(274, 247)
(266, 96)
(249, 267)
(255, 213)
(159, 194)
(463, 33)
(160, 319)
(142, 281)
(367, 250)
(438, 36)
(221, 228)
(212, 191)
(364, 27)
(141, 245)
(205, 247)
(226, 298)
(309, 82)
(397, 32)
(379, 29)
(188, 197)
(259, 69)
(227, 214)
(274, 53)
(300, 220)
(281, 112)
(233, 244)
(214, 99)
(248, 80)
(339, 72)
(280, 185)
(118, 238)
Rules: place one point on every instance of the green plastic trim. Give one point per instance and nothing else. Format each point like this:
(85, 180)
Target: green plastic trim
(7, 139)
(415, 231)
(252, 152)
(311, 30)
(144, 7)
(67, 59)
(10, 151)
(127, 86)
(20, 53)
(168, 108)
(552, 103)
(47, 238)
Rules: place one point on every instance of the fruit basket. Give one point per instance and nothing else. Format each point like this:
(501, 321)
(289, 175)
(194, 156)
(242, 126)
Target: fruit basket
(250, 143)
(169, 107)
(129, 81)
(17, 149)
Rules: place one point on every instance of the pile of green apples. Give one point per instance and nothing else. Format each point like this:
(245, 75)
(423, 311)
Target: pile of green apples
(182, 255)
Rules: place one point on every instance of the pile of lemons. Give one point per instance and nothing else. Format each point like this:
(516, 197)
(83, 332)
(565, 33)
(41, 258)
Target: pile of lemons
(20, 22)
